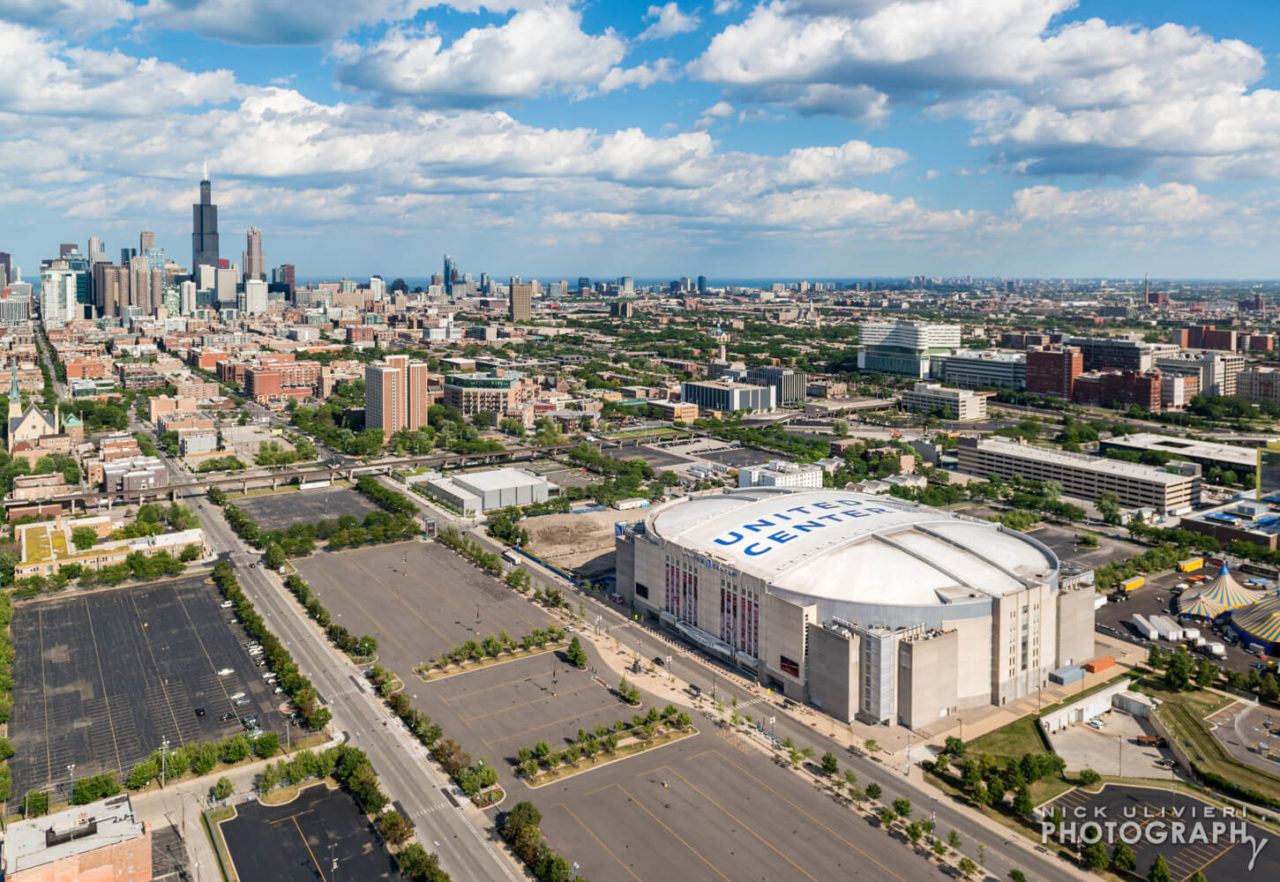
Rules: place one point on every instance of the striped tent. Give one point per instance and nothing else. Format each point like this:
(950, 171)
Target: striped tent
(1214, 598)
(1259, 623)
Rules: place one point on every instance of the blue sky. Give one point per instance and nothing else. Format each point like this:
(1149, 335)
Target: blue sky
(792, 138)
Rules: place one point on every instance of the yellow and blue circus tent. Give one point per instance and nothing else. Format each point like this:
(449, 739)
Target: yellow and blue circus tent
(1221, 595)
(1259, 623)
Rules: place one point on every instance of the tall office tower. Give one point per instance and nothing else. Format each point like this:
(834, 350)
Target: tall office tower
(485, 283)
(584, 285)
(146, 241)
(520, 300)
(450, 270)
(66, 249)
(254, 266)
(626, 286)
(702, 284)
(4, 278)
(58, 297)
(6, 261)
(204, 227)
(284, 275)
(377, 288)
(127, 255)
(224, 284)
(395, 395)
(97, 254)
(110, 288)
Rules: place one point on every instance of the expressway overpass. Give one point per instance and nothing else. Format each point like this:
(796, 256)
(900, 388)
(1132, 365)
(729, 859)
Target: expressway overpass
(278, 476)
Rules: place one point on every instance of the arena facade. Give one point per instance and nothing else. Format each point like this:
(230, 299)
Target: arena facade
(868, 607)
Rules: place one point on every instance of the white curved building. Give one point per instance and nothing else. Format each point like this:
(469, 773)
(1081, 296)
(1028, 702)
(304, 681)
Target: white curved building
(864, 605)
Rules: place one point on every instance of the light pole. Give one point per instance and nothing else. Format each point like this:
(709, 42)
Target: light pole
(164, 752)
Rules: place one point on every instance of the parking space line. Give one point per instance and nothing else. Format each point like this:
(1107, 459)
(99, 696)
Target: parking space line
(600, 841)
(739, 821)
(205, 650)
(103, 681)
(699, 855)
(542, 699)
(815, 820)
(44, 700)
(146, 639)
(307, 846)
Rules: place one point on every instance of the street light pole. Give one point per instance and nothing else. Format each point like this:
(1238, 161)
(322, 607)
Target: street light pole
(164, 752)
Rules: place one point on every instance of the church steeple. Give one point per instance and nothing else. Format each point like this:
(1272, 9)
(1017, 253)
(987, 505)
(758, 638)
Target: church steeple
(15, 395)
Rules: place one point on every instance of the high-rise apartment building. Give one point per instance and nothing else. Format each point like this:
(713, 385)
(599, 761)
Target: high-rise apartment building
(146, 241)
(57, 297)
(789, 386)
(204, 228)
(254, 300)
(395, 395)
(284, 274)
(450, 270)
(254, 265)
(520, 299)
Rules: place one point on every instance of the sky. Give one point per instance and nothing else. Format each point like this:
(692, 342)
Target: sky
(785, 139)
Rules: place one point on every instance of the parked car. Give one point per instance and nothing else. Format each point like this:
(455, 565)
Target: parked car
(200, 712)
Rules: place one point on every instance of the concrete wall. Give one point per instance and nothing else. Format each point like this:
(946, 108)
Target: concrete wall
(782, 633)
(833, 673)
(1075, 627)
(927, 678)
(1084, 709)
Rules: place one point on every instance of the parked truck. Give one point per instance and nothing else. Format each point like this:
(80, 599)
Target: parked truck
(1215, 649)
(1166, 628)
(1150, 741)
(1190, 565)
(1133, 584)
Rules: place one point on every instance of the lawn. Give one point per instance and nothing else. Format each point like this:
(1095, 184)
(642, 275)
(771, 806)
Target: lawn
(1189, 731)
(1020, 737)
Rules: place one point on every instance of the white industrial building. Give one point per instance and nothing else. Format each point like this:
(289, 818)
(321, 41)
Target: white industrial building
(957, 404)
(478, 492)
(865, 606)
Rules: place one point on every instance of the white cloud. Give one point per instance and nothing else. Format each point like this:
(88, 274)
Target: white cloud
(536, 51)
(1135, 208)
(274, 22)
(724, 7)
(717, 111)
(76, 17)
(42, 76)
(642, 75)
(1049, 97)
(668, 21)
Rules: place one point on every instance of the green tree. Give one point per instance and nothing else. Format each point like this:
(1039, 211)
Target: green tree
(1177, 674)
(222, 788)
(1022, 802)
(395, 827)
(830, 765)
(84, 538)
(873, 791)
(902, 807)
(1123, 860)
(274, 556)
(967, 867)
(1095, 856)
(575, 654)
(1159, 871)
(1017, 876)
(1088, 777)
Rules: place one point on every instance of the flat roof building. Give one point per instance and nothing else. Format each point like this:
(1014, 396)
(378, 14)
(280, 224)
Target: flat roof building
(980, 369)
(475, 493)
(956, 404)
(904, 347)
(727, 396)
(1241, 460)
(780, 473)
(103, 841)
(1175, 488)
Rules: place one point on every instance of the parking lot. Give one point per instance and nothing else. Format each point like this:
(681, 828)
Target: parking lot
(1063, 542)
(1111, 749)
(304, 839)
(1222, 857)
(280, 510)
(1251, 733)
(101, 679)
(710, 808)
(657, 459)
(418, 599)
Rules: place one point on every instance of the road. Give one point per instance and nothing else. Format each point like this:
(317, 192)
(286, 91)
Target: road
(403, 765)
(59, 389)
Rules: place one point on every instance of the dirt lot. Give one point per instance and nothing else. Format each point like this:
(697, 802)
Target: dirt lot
(582, 543)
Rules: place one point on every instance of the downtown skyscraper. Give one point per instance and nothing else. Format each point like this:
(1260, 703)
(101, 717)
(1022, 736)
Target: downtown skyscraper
(204, 228)
(255, 266)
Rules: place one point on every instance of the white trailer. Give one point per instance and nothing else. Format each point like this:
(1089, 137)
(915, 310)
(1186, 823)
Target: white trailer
(1215, 649)
(1190, 633)
(1143, 627)
(1166, 628)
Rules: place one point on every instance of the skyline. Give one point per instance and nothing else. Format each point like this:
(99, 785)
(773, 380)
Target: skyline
(1027, 138)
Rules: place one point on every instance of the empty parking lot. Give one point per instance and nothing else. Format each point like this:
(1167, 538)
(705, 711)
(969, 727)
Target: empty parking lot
(278, 511)
(102, 678)
(305, 839)
(418, 599)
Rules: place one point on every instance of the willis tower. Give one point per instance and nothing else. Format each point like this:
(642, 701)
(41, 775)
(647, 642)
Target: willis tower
(204, 228)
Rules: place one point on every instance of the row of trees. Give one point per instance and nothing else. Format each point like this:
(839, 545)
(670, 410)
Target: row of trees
(6, 691)
(297, 686)
(273, 453)
(986, 783)
(520, 829)
(602, 739)
(357, 647)
(496, 644)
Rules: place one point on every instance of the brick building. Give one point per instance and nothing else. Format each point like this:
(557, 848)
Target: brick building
(1053, 370)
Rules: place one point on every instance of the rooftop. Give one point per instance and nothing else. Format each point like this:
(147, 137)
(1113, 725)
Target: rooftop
(844, 546)
(1115, 467)
(70, 832)
(1190, 448)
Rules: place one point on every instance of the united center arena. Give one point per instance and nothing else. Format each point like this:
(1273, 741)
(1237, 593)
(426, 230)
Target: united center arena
(866, 606)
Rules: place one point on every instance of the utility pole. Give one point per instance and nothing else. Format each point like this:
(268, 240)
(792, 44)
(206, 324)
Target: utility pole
(164, 753)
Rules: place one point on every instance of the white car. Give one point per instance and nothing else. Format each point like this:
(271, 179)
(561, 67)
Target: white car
(1096, 724)
(226, 672)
